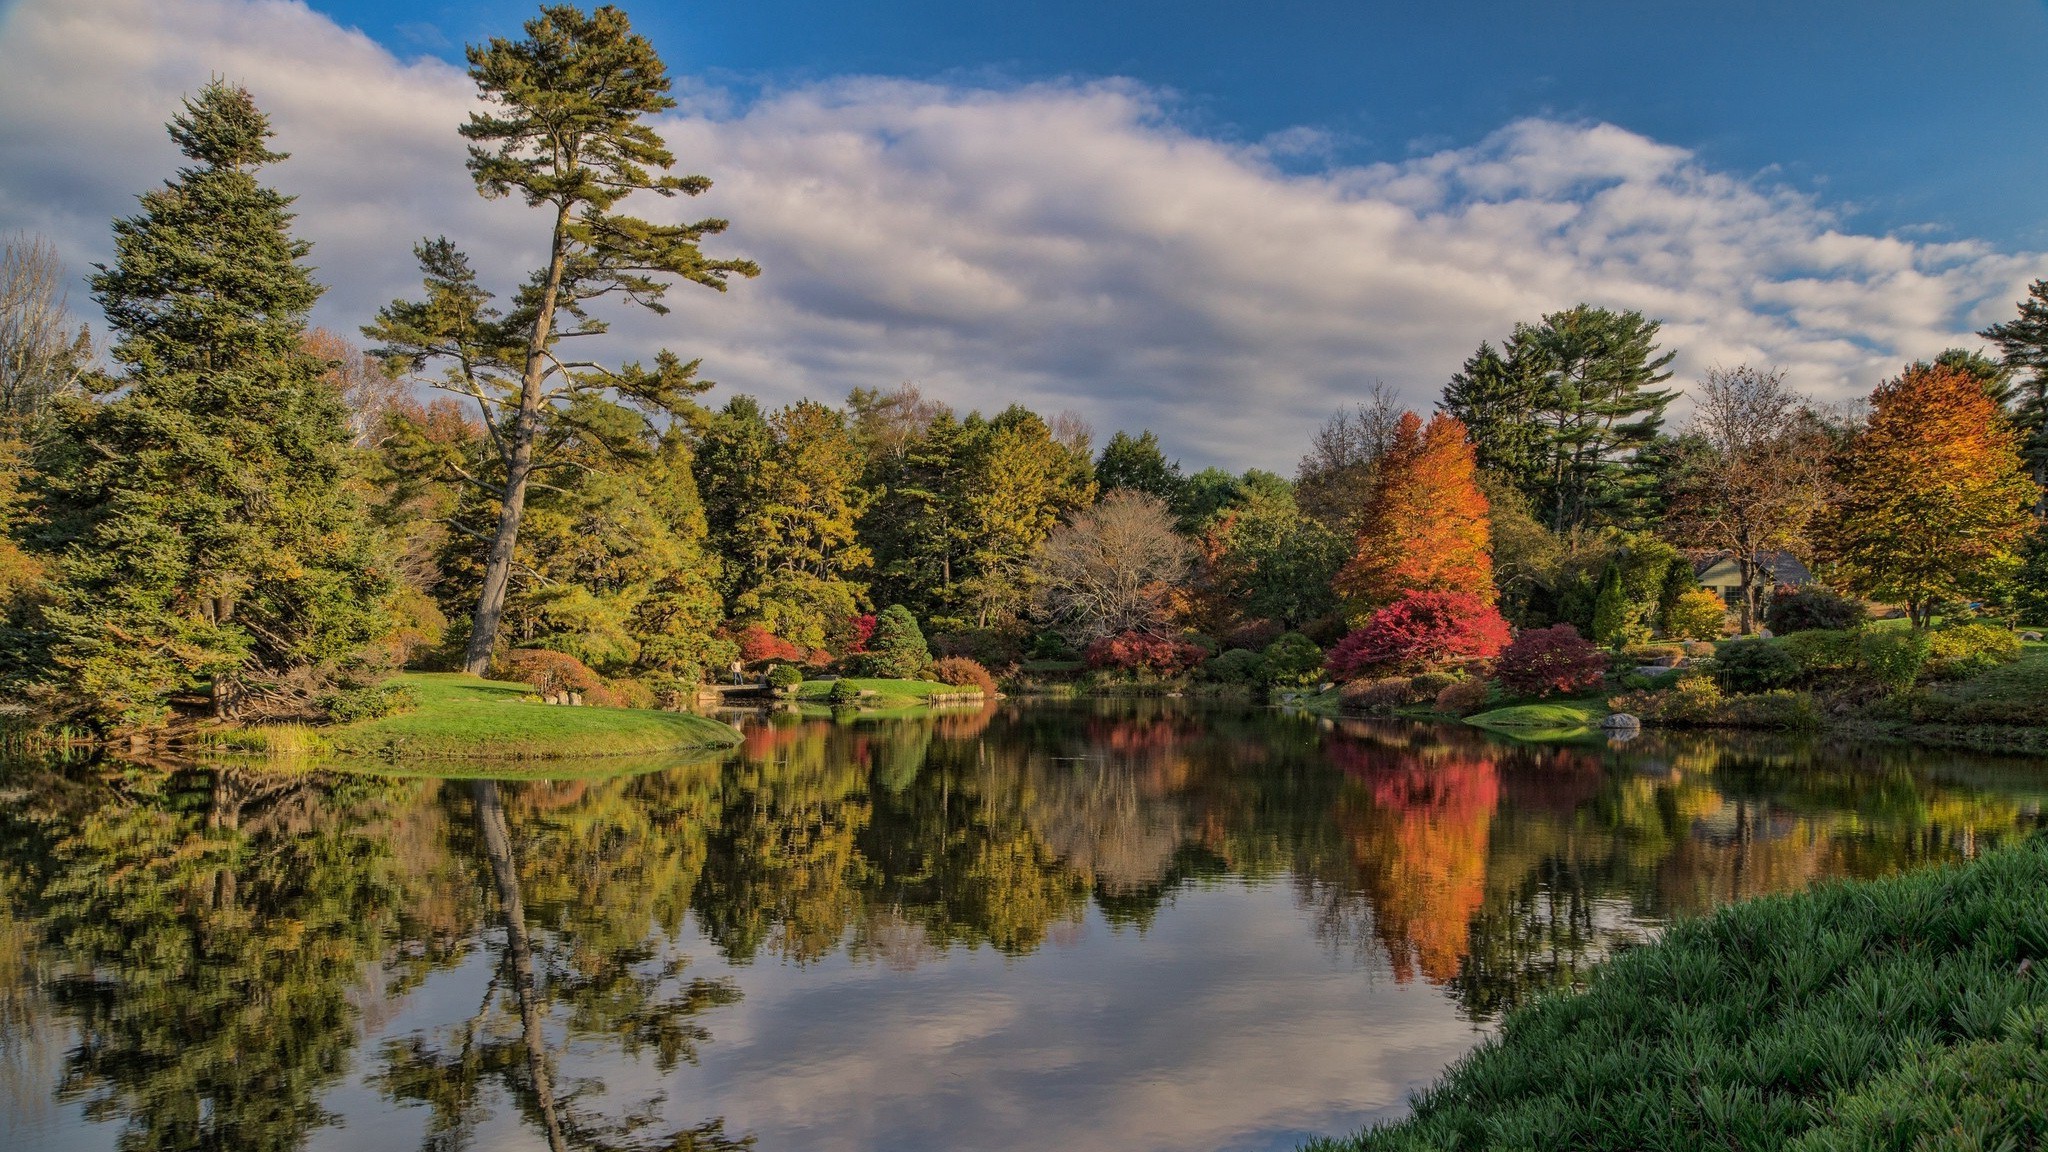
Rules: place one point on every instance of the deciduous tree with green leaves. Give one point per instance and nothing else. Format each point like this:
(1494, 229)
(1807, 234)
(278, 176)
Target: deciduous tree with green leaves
(564, 132)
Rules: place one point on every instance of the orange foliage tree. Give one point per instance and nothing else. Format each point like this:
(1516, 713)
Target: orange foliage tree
(1427, 528)
(1932, 499)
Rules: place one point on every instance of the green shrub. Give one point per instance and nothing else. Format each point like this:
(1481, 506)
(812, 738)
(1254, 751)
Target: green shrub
(1237, 666)
(1693, 700)
(372, 703)
(1821, 651)
(1892, 657)
(1967, 649)
(1426, 685)
(842, 692)
(1293, 660)
(1781, 709)
(897, 649)
(1754, 666)
(785, 678)
(1811, 608)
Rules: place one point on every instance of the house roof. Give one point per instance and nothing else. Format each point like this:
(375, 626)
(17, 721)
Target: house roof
(1779, 567)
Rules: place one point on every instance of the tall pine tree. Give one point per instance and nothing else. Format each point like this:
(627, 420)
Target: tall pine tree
(1566, 410)
(205, 533)
(565, 133)
(2024, 343)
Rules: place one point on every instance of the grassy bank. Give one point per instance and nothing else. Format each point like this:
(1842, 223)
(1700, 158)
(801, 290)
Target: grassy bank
(884, 694)
(1903, 1013)
(463, 718)
(1544, 720)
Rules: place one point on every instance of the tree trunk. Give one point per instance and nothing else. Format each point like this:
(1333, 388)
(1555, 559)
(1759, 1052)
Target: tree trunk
(490, 603)
(490, 818)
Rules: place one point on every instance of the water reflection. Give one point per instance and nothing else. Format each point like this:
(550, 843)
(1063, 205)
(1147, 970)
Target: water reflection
(217, 956)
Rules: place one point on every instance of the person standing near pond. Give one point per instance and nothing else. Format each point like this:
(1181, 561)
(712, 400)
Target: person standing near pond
(738, 672)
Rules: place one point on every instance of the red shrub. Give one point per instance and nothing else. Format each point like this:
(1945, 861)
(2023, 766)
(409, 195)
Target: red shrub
(1421, 630)
(1464, 697)
(757, 644)
(1135, 651)
(863, 631)
(553, 672)
(960, 672)
(1543, 661)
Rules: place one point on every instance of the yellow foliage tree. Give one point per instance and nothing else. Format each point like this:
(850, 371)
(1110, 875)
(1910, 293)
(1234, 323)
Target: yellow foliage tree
(1932, 500)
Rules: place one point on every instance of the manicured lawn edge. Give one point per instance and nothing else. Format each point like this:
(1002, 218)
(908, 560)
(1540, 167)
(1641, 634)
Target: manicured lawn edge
(878, 694)
(463, 718)
(1858, 1014)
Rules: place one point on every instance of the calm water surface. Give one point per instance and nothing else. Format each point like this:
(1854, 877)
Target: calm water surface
(1129, 925)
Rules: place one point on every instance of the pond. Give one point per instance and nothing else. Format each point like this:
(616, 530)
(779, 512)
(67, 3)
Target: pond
(1118, 925)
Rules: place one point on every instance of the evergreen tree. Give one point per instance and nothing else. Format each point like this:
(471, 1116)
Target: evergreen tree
(2023, 341)
(897, 648)
(566, 133)
(1612, 615)
(206, 534)
(1571, 414)
(1495, 398)
(1137, 463)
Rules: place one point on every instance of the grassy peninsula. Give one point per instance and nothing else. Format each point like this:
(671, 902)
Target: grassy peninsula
(1909, 1012)
(460, 717)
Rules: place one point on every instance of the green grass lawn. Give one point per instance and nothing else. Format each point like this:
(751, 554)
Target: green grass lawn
(1902, 1013)
(887, 693)
(464, 718)
(1544, 719)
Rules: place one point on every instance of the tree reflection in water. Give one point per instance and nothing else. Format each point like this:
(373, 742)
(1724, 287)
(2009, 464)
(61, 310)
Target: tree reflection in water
(198, 954)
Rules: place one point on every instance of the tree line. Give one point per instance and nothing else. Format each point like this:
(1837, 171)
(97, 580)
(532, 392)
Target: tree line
(226, 509)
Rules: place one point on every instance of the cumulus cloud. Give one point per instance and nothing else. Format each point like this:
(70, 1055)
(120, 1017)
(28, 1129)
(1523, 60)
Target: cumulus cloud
(1064, 245)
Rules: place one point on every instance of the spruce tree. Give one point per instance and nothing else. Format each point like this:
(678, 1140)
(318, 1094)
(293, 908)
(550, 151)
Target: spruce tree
(897, 648)
(202, 520)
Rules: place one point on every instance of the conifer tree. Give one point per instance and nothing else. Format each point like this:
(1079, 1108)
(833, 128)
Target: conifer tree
(1426, 527)
(205, 534)
(1495, 397)
(566, 134)
(897, 648)
(2024, 343)
(1567, 411)
(1137, 463)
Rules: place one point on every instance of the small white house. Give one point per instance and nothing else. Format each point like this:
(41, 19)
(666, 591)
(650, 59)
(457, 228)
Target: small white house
(1719, 573)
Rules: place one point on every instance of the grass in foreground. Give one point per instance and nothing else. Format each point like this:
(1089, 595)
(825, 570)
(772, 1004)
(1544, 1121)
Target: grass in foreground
(1903, 1013)
(464, 718)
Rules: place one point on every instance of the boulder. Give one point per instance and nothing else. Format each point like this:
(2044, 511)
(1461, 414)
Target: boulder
(2031, 637)
(1621, 722)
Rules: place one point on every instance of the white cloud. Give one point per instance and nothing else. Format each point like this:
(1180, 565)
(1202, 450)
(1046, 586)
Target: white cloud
(1063, 245)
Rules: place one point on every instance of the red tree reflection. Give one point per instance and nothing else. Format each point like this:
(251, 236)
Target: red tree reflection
(1418, 838)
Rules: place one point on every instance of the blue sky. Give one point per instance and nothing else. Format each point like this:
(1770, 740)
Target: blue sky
(1220, 222)
(1906, 113)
